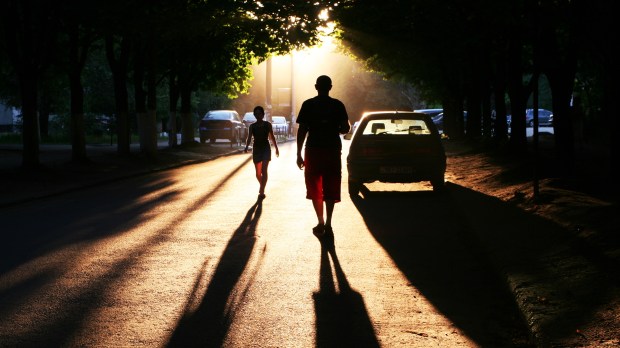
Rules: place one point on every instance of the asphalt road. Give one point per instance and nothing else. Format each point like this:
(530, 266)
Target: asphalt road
(189, 257)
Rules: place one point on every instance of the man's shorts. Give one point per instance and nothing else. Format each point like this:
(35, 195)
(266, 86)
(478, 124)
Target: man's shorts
(261, 154)
(323, 173)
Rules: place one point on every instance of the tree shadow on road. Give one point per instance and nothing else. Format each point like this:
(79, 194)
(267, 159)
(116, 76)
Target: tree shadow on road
(341, 316)
(208, 324)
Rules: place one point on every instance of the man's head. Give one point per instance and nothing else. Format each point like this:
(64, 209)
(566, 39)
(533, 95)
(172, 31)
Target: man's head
(323, 83)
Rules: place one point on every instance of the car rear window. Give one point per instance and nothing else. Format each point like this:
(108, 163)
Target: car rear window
(396, 127)
(218, 116)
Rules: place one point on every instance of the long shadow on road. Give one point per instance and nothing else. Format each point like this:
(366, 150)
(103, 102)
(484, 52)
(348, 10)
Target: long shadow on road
(208, 325)
(341, 316)
(431, 242)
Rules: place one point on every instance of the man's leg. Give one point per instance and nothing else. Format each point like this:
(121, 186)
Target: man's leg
(318, 209)
(329, 210)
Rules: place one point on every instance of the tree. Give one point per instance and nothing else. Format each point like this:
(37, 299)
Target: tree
(30, 33)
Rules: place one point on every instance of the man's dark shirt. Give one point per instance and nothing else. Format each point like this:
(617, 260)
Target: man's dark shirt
(323, 115)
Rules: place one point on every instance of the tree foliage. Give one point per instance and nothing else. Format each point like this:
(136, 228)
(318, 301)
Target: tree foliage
(480, 54)
(191, 45)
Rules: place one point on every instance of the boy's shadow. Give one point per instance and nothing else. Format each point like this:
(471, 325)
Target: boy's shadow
(208, 325)
(341, 317)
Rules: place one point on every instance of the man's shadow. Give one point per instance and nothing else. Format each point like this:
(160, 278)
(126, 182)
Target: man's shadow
(341, 317)
(208, 325)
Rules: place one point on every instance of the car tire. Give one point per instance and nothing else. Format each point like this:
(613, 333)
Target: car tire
(438, 184)
(212, 140)
(202, 140)
(234, 140)
(354, 188)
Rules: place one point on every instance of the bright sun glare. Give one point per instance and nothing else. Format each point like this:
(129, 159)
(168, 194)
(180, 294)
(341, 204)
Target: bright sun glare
(299, 69)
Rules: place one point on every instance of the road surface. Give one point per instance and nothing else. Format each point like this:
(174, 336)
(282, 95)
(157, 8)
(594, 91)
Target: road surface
(190, 257)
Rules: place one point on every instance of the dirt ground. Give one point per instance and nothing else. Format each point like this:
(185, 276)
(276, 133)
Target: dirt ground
(585, 204)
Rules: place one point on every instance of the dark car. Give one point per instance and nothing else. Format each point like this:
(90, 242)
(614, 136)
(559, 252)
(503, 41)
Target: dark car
(545, 118)
(396, 147)
(438, 120)
(430, 112)
(435, 114)
(222, 124)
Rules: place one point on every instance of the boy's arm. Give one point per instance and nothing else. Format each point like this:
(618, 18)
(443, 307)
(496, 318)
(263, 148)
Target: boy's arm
(249, 139)
(274, 141)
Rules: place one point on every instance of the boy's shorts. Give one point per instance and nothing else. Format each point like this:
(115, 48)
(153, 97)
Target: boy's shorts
(323, 173)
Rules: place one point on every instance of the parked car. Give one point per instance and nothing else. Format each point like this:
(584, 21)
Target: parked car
(349, 135)
(430, 112)
(354, 126)
(435, 114)
(438, 120)
(249, 118)
(222, 124)
(280, 125)
(394, 146)
(545, 118)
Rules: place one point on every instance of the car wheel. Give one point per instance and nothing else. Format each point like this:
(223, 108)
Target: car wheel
(202, 140)
(439, 184)
(212, 140)
(354, 188)
(234, 140)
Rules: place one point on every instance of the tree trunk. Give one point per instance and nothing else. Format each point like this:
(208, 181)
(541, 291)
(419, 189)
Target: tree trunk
(473, 125)
(173, 90)
(187, 118)
(499, 91)
(23, 42)
(140, 96)
(119, 67)
(77, 60)
(150, 131)
(44, 115)
(516, 93)
(30, 127)
(561, 89)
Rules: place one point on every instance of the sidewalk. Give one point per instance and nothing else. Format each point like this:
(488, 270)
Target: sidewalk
(60, 175)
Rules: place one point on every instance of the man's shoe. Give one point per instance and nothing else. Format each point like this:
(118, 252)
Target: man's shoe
(318, 230)
(328, 230)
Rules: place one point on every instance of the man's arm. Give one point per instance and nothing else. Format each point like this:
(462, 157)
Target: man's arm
(345, 126)
(301, 137)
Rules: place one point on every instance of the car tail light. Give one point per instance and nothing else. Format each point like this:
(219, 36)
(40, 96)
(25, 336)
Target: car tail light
(370, 151)
(422, 150)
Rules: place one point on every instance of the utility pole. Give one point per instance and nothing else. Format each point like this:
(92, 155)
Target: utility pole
(293, 123)
(268, 90)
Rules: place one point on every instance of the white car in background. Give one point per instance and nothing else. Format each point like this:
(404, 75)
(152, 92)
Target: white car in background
(249, 118)
(280, 125)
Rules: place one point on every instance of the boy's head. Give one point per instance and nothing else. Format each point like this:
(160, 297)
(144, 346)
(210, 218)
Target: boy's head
(259, 112)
